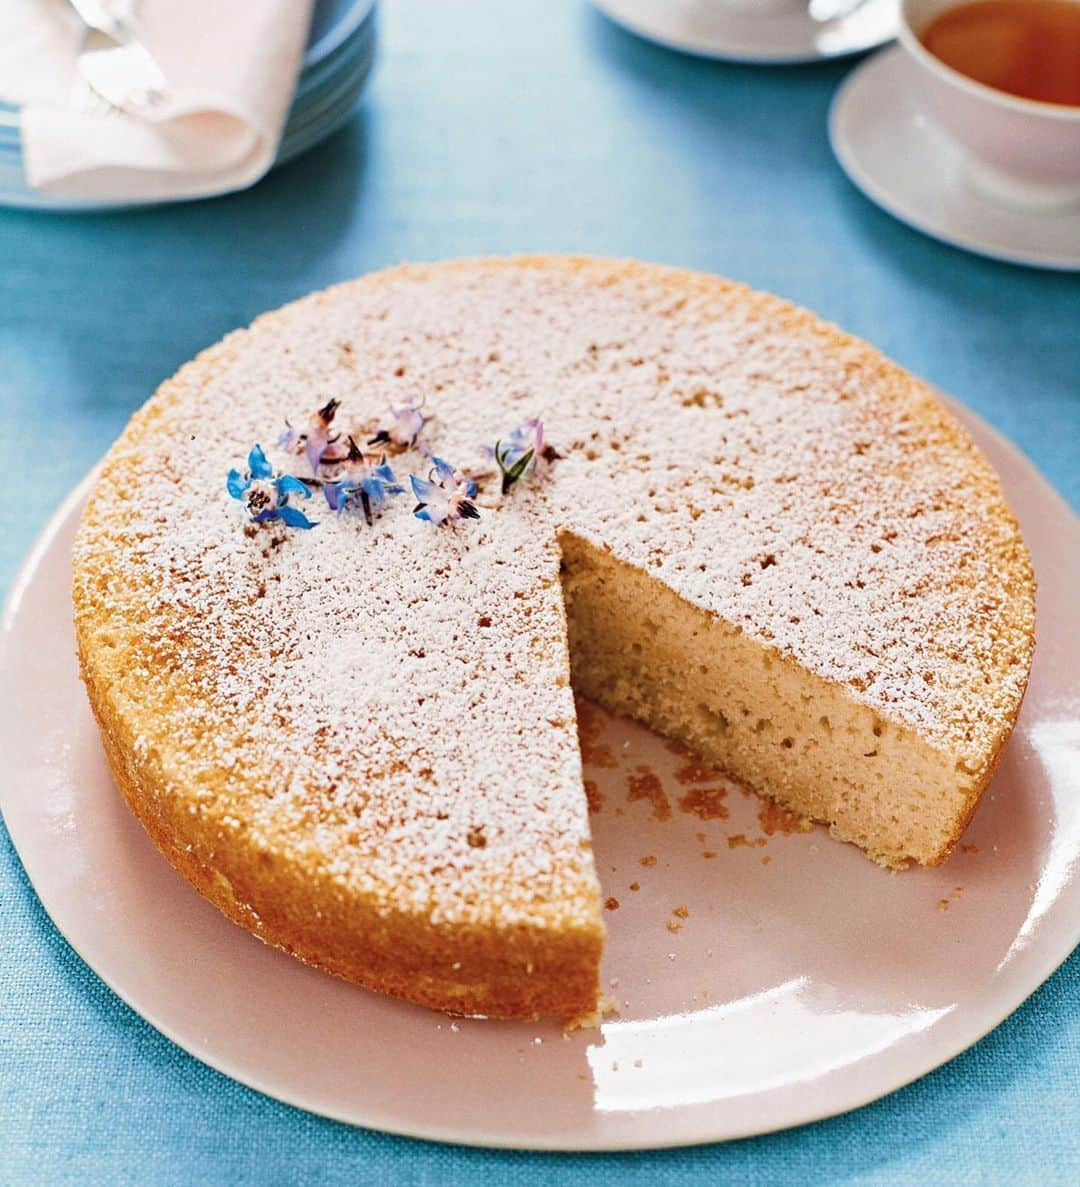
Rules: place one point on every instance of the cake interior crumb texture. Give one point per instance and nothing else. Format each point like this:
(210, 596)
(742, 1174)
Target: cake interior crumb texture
(762, 539)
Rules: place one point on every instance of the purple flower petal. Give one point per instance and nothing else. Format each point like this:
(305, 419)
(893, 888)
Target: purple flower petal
(421, 487)
(443, 470)
(316, 446)
(337, 494)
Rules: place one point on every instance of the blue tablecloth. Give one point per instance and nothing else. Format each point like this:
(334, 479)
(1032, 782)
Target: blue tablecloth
(495, 127)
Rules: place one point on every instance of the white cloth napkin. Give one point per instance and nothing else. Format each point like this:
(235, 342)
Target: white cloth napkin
(231, 66)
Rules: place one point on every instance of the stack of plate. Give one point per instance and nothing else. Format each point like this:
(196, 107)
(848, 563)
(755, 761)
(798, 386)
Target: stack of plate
(340, 52)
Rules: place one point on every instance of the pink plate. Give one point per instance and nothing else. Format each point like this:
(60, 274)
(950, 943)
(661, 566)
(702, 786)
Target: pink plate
(802, 981)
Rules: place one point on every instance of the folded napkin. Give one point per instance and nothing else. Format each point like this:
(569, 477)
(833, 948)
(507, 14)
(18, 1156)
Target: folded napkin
(231, 69)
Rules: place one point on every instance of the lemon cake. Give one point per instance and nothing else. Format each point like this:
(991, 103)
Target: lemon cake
(343, 708)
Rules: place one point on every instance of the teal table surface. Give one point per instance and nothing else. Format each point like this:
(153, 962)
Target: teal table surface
(495, 127)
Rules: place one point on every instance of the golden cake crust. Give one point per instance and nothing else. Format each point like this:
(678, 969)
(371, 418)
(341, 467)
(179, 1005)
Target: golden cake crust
(223, 665)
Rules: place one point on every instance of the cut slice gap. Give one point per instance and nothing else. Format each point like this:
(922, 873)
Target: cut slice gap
(640, 650)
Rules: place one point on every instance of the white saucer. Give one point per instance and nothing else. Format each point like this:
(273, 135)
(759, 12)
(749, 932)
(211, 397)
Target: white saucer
(803, 980)
(909, 168)
(733, 31)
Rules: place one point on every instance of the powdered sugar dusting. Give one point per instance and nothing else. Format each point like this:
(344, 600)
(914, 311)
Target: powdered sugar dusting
(399, 694)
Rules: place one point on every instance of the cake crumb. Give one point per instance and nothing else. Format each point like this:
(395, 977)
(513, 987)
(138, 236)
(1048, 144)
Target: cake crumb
(698, 771)
(649, 860)
(709, 854)
(740, 839)
(765, 860)
(969, 848)
(682, 911)
(943, 904)
(594, 796)
(592, 1018)
(635, 886)
(706, 803)
(611, 903)
(775, 818)
(590, 722)
(646, 785)
(674, 925)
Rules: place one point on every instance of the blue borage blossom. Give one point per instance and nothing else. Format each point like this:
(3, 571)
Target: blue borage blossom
(445, 496)
(364, 480)
(317, 442)
(403, 427)
(265, 495)
(521, 452)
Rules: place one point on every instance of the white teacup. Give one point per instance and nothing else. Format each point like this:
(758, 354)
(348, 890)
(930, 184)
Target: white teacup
(1019, 151)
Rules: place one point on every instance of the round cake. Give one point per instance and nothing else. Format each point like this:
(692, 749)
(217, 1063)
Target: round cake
(338, 581)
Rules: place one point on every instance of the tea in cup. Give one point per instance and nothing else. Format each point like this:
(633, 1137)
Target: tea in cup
(1002, 79)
